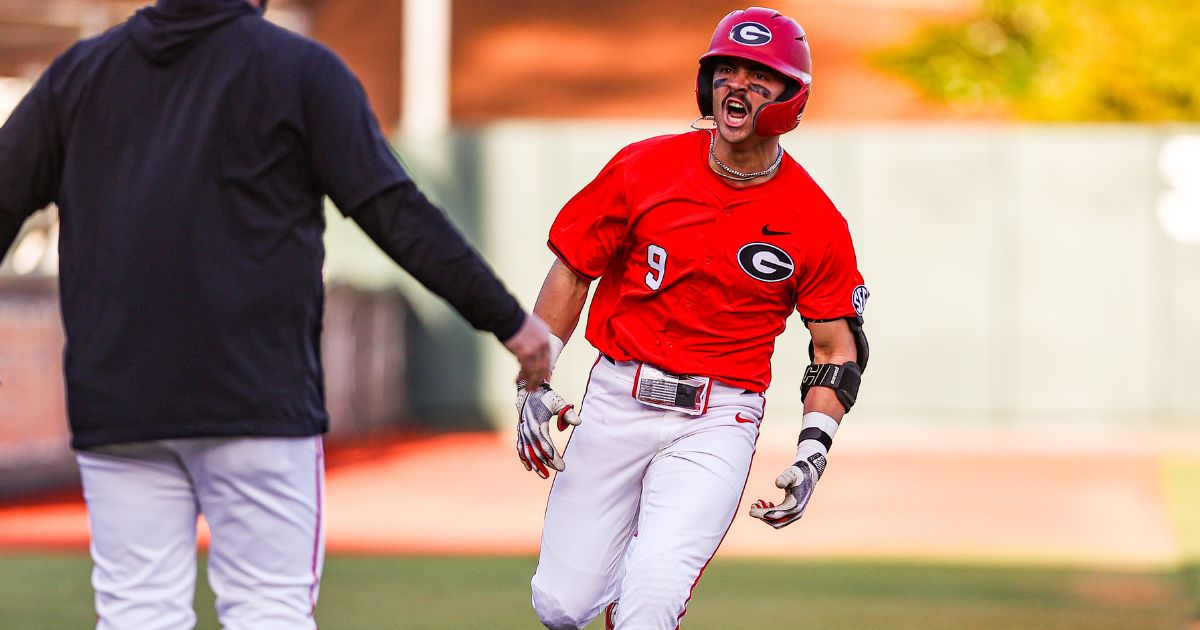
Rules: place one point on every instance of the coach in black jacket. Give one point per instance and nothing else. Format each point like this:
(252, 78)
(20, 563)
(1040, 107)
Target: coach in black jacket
(189, 151)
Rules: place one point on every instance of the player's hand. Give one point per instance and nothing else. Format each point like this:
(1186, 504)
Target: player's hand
(797, 483)
(534, 410)
(531, 346)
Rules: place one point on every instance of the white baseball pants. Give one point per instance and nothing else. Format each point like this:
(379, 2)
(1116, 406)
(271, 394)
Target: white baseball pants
(672, 480)
(262, 498)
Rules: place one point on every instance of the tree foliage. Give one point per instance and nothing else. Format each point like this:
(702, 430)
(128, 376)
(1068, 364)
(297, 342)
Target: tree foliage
(1063, 60)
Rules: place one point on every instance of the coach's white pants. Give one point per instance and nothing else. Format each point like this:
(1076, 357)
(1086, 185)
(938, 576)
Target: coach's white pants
(262, 498)
(673, 480)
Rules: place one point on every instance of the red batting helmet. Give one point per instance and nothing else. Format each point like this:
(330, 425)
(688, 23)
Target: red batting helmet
(774, 40)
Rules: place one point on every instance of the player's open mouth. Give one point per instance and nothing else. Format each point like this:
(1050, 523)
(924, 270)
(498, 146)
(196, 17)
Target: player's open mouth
(736, 112)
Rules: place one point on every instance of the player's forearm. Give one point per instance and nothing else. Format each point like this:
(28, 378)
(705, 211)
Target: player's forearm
(561, 300)
(824, 400)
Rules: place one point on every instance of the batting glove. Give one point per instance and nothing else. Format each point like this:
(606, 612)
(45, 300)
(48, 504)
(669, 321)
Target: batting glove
(534, 410)
(798, 480)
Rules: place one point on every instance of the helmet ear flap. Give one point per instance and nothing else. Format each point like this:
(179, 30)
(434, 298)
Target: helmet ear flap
(780, 117)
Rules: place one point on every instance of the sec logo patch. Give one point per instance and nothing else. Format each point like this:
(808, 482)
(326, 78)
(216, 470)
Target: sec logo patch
(859, 299)
(765, 262)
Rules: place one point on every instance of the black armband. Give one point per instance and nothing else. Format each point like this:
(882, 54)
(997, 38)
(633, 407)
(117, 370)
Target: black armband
(814, 433)
(842, 379)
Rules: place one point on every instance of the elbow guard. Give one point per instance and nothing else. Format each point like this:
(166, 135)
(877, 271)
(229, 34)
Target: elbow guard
(861, 347)
(843, 379)
(860, 342)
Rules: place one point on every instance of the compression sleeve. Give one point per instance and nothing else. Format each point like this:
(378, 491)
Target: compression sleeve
(419, 237)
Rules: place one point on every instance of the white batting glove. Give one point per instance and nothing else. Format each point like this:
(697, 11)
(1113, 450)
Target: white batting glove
(534, 410)
(798, 480)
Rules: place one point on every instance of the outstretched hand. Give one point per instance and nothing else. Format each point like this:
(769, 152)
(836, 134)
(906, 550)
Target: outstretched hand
(535, 408)
(531, 346)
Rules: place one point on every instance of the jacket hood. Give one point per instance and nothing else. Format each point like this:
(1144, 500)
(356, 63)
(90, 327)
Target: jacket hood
(166, 32)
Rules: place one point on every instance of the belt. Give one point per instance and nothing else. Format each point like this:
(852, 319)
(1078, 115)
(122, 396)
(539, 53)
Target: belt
(613, 361)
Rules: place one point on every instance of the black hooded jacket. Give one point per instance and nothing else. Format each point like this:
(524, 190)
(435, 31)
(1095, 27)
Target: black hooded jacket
(189, 151)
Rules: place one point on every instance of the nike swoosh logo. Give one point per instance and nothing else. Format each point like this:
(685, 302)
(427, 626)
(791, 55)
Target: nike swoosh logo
(767, 231)
(739, 418)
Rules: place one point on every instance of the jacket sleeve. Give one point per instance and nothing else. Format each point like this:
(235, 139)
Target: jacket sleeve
(355, 166)
(31, 155)
(419, 237)
(347, 152)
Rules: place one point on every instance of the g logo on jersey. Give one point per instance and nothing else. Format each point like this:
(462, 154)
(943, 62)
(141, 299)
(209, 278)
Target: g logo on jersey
(750, 34)
(765, 262)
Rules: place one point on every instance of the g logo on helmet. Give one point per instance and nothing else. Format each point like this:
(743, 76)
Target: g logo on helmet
(750, 34)
(765, 262)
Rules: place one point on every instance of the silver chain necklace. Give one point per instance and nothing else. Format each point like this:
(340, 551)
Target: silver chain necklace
(732, 173)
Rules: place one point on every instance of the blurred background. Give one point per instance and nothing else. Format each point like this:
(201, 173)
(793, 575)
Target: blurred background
(1022, 181)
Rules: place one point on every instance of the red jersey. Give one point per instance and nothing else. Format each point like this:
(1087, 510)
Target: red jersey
(698, 276)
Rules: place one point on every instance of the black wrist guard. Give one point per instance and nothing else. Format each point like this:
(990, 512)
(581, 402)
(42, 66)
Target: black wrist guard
(813, 433)
(842, 379)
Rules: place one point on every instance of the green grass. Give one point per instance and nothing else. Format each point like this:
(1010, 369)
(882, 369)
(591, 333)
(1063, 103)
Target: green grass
(1181, 482)
(52, 591)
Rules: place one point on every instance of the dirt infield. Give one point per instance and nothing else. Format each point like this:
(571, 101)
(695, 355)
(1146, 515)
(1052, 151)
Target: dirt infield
(976, 496)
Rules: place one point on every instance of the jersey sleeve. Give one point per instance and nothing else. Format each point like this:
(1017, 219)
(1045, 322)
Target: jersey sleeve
(590, 227)
(830, 288)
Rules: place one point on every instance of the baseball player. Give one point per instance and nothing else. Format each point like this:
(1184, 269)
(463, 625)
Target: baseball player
(189, 151)
(703, 244)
